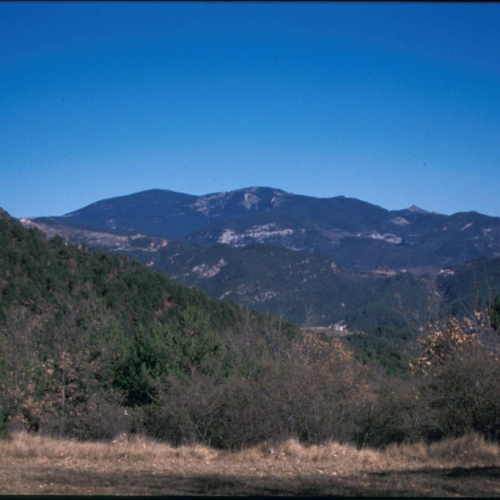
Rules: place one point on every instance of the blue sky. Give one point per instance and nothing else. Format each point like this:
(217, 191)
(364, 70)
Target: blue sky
(392, 103)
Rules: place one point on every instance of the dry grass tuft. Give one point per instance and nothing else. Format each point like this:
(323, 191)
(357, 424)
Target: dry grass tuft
(25, 446)
(329, 452)
(471, 450)
(195, 452)
(291, 448)
(403, 454)
(343, 455)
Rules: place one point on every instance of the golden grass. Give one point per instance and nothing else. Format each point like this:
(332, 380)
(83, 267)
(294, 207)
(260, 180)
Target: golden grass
(467, 451)
(27, 446)
(31, 464)
(329, 453)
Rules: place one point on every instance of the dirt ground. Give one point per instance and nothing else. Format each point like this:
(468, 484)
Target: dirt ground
(124, 471)
(84, 478)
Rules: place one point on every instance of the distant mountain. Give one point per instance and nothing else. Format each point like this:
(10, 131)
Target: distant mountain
(314, 261)
(356, 234)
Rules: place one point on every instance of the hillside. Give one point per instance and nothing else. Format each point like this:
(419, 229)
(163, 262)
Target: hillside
(470, 286)
(99, 328)
(39, 273)
(308, 289)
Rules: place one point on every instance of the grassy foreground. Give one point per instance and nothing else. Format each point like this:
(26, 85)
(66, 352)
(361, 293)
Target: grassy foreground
(468, 466)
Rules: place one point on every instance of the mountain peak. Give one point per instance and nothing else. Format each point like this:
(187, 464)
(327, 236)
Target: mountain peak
(254, 189)
(417, 210)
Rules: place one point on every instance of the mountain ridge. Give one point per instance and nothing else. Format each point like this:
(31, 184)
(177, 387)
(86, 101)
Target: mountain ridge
(355, 233)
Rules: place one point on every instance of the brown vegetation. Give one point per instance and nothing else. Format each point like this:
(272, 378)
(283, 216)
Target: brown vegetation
(32, 464)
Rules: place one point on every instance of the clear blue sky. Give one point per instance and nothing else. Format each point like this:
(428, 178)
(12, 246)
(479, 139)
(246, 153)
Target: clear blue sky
(392, 103)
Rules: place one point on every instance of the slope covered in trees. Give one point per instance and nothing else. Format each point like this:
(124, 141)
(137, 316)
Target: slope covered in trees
(93, 345)
(80, 328)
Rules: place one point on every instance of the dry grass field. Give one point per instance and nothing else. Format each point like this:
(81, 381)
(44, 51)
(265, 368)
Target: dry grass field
(36, 465)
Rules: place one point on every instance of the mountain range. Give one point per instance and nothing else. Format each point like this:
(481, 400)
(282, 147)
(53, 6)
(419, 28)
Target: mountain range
(313, 260)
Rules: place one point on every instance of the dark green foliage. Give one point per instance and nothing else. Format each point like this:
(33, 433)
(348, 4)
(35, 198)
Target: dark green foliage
(389, 348)
(34, 272)
(145, 358)
(469, 287)
(97, 322)
(495, 313)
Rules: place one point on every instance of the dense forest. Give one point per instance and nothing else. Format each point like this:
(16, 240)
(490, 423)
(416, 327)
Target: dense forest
(93, 345)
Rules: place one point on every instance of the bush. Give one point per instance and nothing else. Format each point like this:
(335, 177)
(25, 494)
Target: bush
(459, 378)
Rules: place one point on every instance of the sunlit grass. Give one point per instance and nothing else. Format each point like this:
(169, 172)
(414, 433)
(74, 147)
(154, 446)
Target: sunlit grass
(470, 450)
(27, 446)
(31, 464)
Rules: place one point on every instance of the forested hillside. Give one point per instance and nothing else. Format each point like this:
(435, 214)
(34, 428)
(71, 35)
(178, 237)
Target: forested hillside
(93, 345)
(81, 329)
(308, 289)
